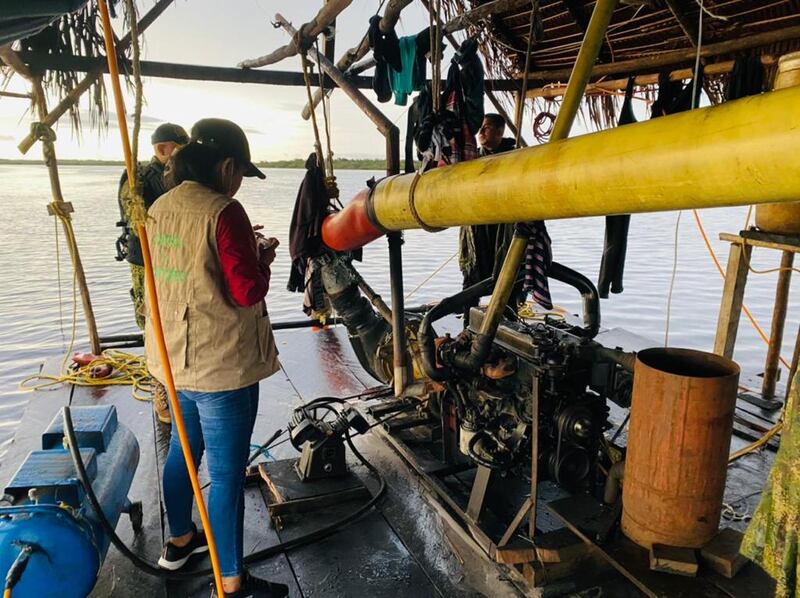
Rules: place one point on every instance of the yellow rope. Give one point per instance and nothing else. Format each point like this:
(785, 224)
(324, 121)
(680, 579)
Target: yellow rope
(127, 370)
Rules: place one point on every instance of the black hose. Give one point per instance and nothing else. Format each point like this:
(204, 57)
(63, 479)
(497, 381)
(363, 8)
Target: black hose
(589, 295)
(447, 306)
(255, 557)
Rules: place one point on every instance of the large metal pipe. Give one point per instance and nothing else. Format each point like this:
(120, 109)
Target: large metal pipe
(727, 155)
(678, 443)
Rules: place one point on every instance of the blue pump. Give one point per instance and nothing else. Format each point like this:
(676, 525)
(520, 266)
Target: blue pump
(47, 509)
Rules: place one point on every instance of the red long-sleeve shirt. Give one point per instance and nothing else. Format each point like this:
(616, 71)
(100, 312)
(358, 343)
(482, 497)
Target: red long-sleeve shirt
(246, 277)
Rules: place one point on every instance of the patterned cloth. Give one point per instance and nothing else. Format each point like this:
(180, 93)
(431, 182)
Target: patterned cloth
(771, 539)
(538, 258)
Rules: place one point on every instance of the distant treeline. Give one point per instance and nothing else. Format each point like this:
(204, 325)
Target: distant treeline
(338, 163)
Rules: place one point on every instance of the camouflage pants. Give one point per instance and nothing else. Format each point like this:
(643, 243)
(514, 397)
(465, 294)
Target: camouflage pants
(137, 293)
(771, 539)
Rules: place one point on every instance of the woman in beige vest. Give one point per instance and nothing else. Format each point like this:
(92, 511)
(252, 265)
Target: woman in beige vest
(212, 275)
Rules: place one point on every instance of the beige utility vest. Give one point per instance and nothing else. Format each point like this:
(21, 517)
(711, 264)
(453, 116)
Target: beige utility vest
(213, 344)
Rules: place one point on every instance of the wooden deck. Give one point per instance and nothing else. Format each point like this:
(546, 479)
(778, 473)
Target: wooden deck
(404, 547)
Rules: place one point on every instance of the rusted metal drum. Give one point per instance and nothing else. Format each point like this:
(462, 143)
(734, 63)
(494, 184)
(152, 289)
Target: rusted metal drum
(782, 218)
(678, 445)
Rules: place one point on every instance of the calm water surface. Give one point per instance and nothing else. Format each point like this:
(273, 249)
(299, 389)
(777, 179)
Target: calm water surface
(33, 329)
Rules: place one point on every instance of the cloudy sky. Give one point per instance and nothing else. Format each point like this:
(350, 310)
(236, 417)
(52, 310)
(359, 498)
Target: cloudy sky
(222, 34)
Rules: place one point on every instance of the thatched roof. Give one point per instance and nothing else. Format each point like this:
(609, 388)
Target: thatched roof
(639, 28)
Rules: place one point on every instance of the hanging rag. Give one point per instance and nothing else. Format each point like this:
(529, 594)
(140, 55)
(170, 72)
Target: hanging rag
(746, 78)
(411, 75)
(305, 231)
(612, 265)
(316, 304)
(472, 84)
(674, 97)
(771, 539)
(386, 50)
(419, 110)
(538, 259)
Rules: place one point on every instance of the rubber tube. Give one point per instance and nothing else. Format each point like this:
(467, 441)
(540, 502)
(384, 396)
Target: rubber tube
(351, 228)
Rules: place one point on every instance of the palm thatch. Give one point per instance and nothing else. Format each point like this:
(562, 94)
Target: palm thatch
(638, 29)
(76, 34)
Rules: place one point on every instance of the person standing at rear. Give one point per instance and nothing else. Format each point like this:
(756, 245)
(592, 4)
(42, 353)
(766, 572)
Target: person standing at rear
(167, 138)
(212, 275)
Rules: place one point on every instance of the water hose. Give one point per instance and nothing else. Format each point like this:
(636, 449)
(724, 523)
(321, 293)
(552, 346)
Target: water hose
(152, 296)
(151, 569)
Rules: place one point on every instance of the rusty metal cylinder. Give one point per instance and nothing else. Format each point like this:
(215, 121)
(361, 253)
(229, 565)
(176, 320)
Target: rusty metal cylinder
(678, 446)
(782, 218)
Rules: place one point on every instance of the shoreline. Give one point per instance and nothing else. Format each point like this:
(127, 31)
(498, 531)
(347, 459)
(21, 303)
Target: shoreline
(341, 164)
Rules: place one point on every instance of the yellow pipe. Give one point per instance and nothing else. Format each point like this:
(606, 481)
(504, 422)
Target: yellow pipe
(737, 153)
(504, 285)
(582, 71)
(152, 297)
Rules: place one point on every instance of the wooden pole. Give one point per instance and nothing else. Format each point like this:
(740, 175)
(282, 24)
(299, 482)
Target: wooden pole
(62, 209)
(11, 94)
(72, 97)
(778, 322)
(656, 62)
(390, 16)
(308, 32)
(616, 85)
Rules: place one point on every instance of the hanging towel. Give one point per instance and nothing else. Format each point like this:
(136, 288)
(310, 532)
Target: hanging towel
(612, 265)
(386, 50)
(411, 75)
(305, 231)
(746, 78)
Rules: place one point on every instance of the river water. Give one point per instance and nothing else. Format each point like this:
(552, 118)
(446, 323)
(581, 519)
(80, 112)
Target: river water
(34, 328)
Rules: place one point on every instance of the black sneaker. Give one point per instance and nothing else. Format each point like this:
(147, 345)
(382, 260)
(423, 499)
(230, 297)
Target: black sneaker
(254, 587)
(175, 557)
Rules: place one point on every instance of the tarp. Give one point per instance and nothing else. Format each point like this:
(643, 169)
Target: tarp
(19, 20)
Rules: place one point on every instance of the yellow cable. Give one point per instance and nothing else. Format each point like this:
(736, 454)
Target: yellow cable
(7, 593)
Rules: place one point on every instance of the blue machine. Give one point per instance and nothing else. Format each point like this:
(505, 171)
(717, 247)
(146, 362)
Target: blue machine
(48, 510)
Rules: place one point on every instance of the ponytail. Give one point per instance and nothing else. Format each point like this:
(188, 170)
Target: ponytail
(195, 162)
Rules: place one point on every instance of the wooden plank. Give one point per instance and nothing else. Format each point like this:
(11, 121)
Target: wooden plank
(730, 309)
(766, 240)
(584, 517)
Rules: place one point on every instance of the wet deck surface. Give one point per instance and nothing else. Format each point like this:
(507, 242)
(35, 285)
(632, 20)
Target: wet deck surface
(400, 549)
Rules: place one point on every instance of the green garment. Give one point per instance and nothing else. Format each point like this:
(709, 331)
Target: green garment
(771, 539)
(412, 77)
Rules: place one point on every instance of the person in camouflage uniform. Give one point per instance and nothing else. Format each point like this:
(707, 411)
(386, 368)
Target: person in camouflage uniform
(771, 539)
(165, 139)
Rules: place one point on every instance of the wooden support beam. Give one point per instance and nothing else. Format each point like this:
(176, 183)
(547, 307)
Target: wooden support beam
(688, 27)
(730, 310)
(577, 10)
(778, 323)
(390, 16)
(614, 85)
(11, 94)
(307, 33)
(656, 62)
(72, 97)
(482, 12)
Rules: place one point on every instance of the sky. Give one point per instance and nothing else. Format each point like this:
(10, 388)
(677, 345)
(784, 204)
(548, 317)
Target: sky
(222, 34)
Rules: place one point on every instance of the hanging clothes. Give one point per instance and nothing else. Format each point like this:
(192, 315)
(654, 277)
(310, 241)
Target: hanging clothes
(615, 246)
(305, 231)
(746, 78)
(771, 539)
(386, 50)
(410, 76)
(538, 259)
(472, 84)
(674, 97)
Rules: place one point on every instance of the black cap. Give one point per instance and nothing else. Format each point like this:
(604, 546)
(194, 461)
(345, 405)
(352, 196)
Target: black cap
(169, 132)
(229, 138)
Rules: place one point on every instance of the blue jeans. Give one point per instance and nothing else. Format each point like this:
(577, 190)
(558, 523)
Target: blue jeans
(220, 423)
